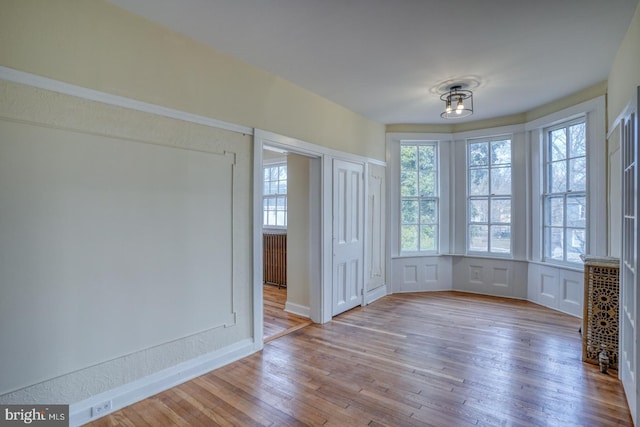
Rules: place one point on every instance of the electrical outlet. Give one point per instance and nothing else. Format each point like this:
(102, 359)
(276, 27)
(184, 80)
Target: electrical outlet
(101, 409)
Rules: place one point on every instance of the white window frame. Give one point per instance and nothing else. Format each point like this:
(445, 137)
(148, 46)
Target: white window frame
(597, 237)
(443, 142)
(489, 197)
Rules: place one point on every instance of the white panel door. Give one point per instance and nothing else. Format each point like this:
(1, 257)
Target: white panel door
(348, 235)
(628, 346)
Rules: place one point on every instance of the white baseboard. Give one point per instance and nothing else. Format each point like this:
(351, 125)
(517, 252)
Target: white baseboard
(135, 391)
(375, 294)
(298, 309)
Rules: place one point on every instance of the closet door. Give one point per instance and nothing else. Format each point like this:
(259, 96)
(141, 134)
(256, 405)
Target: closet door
(629, 254)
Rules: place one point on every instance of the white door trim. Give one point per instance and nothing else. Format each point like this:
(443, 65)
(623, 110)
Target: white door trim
(320, 293)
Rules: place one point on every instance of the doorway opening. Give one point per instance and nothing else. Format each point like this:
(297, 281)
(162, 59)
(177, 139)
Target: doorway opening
(290, 237)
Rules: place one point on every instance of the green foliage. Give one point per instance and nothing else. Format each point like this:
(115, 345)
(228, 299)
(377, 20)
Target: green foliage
(418, 192)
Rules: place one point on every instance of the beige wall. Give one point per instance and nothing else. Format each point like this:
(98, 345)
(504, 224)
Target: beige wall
(117, 260)
(93, 44)
(298, 230)
(624, 76)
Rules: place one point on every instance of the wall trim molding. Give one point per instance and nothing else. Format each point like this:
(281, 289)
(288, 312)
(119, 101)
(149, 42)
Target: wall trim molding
(300, 310)
(135, 391)
(22, 77)
(375, 294)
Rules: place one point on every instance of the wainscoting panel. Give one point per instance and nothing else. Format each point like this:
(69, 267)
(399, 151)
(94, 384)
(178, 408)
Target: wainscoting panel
(556, 287)
(572, 292)
(490, 276)
(421, 274)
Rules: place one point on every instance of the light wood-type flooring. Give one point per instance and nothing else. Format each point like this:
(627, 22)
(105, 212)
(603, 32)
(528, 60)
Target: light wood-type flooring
(431, 359)
(278, 322)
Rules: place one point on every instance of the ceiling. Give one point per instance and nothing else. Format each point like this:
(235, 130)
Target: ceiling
(390, 60)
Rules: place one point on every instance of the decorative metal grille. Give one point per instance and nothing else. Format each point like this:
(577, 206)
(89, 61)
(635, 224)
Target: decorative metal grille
(600, 322)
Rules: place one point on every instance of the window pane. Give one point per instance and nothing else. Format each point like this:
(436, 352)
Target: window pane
(409, 238)
(275, 207)
(556, 243)
(418, 197)
(426, 157)
(577, 145)
(479, 210)
(578, 174)
(501, 152)
(428, 238)
(501, 211)
(273, 173)
(558, 177)
(427, 183)
(409, 211)
(501, 238)
(478, 238)
(478, 182)
(554, 214)
(272, 218)
(558, 146)
(501, 180)
(576, 211)
(576, 244)
(408, 183)
(408, 158)
(489, 174)
(478, 154)
(428, 212)
(282, 173)
(565, 213)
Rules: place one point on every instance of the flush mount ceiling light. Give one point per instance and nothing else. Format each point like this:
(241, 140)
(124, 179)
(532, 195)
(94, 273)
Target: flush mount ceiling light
(458, 103)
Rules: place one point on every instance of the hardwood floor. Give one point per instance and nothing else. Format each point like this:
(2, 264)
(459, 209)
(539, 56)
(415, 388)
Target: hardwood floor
(278, 322)
(430, 359)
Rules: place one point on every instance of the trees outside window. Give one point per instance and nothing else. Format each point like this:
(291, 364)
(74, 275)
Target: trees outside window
(419, 197)
(489, 196)
(564, 198)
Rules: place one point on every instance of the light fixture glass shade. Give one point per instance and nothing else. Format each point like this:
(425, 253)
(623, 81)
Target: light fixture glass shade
(464, 103)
